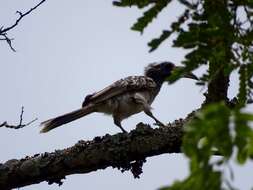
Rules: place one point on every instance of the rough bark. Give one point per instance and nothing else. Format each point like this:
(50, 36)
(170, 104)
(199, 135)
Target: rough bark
(221, 45)
(123, 151)
(218, 88)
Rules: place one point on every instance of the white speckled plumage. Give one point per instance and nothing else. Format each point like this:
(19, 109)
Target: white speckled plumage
(121, 99)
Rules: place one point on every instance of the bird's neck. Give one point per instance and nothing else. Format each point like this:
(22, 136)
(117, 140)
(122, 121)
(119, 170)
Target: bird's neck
(158, 80)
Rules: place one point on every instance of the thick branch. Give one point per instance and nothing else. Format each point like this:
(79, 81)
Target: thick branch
(120, 151)
(218, 62)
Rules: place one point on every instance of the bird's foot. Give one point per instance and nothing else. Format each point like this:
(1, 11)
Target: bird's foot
(159, 124)
(123, 130)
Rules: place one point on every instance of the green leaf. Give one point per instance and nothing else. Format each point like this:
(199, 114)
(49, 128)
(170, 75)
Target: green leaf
(242, 95)
(242, 155)
(189, 5)
(176, 74)
(210, 123)
(201, 179)
(149, 15)
(249, 79)
(175, 26)
(244, 136)
(154, 44)
(129, 3)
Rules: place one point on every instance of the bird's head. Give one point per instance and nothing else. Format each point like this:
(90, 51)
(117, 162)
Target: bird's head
(160, 71)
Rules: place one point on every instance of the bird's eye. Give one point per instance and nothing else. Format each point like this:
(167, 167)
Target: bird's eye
(169, 67)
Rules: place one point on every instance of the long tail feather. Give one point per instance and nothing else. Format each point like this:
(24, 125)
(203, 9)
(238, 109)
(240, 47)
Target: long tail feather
(66, 118)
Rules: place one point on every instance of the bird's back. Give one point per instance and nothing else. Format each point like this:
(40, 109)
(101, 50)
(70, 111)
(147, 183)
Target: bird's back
(120, 97)
(126, 85)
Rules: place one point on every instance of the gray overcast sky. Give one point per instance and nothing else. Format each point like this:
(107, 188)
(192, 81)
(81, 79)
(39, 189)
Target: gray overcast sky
(68, 49)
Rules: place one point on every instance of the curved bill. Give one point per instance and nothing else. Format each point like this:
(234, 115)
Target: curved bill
(189, 75)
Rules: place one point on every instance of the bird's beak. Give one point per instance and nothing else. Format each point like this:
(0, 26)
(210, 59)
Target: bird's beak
(187, 75)
(190, 76)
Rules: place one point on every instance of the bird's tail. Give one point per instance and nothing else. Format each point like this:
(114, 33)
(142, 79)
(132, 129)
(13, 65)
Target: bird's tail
(66, 118)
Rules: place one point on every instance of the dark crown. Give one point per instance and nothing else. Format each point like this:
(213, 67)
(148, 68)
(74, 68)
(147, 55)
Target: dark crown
(159, 71)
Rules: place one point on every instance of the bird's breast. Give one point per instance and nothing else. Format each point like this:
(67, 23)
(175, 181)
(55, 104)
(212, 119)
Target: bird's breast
(125, 104)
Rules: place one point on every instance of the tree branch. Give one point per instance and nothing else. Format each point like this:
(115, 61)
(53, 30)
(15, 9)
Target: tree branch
(218, 88)
(3, 31)
(122, 151)
(20, 125)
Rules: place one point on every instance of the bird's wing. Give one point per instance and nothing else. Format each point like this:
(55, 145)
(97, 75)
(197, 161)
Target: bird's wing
(132, 83)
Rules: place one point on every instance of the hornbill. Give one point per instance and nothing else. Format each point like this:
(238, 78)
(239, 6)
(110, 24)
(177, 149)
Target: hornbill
(123, 98)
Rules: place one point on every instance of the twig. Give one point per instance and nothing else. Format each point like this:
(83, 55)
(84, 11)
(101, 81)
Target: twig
(20, 125)
(3, 31)
(21, 115)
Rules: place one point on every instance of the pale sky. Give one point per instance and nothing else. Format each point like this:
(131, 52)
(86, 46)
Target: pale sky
(68, 49)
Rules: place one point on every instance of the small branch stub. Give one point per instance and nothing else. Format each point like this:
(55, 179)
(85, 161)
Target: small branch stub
(20, 125)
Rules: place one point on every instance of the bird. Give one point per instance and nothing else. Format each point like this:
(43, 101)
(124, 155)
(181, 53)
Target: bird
(123, 98)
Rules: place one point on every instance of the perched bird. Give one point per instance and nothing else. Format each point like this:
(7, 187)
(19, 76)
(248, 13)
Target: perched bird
(123, 98)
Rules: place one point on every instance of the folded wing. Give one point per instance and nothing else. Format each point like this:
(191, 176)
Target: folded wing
(132, 83)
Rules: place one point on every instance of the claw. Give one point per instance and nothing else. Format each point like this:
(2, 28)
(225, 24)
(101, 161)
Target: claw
(160, 124)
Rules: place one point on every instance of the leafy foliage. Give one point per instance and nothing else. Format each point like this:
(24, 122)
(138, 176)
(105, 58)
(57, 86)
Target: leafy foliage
(155, 43)
(211, 130)
(199, 181)
(149, 15)
(243, 86)
(129, 3)
(218, 34)
(244, 136)
(175, 26)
